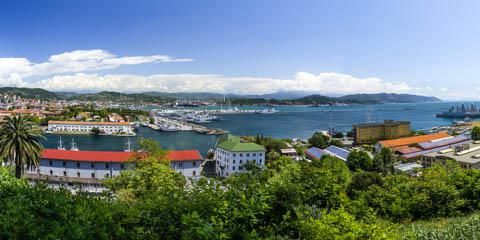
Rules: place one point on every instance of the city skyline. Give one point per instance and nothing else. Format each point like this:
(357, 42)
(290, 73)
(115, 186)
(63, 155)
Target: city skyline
(252, 47)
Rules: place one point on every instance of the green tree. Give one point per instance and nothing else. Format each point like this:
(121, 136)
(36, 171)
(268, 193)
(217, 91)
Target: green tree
(384, 161)
(151, 120)
(359, 160)
(20, 143)
(336, 142)
(95, 131)
(319, 140)
(476, 133)
(339, 135)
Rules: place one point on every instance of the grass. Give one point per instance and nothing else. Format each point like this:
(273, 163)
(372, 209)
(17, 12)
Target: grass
(458, 228)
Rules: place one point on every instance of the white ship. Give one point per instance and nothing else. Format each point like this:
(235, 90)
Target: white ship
(268, 111)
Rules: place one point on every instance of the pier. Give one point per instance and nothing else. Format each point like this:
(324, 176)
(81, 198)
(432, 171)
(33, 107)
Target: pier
(166, 124)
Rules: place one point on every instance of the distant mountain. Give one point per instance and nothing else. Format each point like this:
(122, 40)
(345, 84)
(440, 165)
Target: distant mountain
(28, 93)
(67, 94)
(282, 97)
(388, 98)
(187, 95)
(121, 97)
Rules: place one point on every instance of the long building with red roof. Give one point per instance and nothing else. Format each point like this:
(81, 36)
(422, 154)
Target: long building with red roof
(89, 168)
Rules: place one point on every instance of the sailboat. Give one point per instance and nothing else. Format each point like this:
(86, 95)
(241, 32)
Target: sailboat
(74, 146)
(129, 146)
(60, 145)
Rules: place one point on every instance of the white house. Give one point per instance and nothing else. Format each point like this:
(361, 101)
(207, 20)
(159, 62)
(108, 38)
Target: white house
(231, 154)
(86, 127)
(89, 168)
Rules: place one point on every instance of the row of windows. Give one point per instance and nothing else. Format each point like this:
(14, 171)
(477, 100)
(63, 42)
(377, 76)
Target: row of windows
(92, 165)
(194, 164)
(78, 174)
(225, 153)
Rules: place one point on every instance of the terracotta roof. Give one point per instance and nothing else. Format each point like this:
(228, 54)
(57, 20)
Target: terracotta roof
(110, 156)
(412, 140)
(184, 155)
(88, 123)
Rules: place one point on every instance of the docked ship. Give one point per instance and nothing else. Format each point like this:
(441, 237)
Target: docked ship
(461, 112)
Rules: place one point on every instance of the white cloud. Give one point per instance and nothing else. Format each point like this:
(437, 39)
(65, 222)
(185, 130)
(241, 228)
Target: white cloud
(75, 61)
(76, 71)
(325, 83)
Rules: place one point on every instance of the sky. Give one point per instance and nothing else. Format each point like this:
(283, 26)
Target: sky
(426, 47)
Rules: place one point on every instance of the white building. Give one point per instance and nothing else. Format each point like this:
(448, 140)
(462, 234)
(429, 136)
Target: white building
(89, 168)
(231, 154)
(86, 127)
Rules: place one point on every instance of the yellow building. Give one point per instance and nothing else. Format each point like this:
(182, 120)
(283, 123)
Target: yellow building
(373, 132)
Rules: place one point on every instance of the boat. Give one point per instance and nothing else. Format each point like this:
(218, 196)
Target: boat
(461, 111)
(268, 111)
(168, 128)
(60, 145)
(73, 146)
(129, 146)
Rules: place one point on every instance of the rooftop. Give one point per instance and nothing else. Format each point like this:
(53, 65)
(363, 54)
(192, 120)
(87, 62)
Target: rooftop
(232, 143)
(471, 157)
(386, 122)
(317, 153)
(88, 123)
(407, 167)
(111, 156)
(413, 140)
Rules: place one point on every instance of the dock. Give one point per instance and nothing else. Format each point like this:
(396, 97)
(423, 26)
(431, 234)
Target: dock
(171, 125)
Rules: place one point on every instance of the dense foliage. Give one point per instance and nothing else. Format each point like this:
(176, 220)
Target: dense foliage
(287, 200)
(476, 133)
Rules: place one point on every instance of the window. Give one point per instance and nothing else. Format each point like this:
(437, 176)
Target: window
(93, 175)
(260, 161)
(241, 154)
(50, 163)
(122, 166)
(180, 164)
(241, 161)
(194, 173)
(240, 168)
(233, 168)
(260, 154)
(248, 154)
(64, 163)
(233, 161)
(78, 164)
(51, 172)
(254, 154)
(194, 163)
(92, 165)
(64, 173)
(107, 165)
(234, 155)
(78, 174)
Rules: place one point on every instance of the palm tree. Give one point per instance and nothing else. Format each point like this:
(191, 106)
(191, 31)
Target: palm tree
(20, 143)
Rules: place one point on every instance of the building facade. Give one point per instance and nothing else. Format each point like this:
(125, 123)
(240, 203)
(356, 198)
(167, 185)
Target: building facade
(86, 127)
(467, 155)
(231, 155)
(373, 132)
(89, 168)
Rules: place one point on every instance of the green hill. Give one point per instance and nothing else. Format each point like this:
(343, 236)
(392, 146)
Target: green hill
(28, 93)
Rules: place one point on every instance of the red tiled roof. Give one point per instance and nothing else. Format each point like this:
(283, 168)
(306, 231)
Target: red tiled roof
(408, 150)
(184, 155)
(110, 156)
(412, 140)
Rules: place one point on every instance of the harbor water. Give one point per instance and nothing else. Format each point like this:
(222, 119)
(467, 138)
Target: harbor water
(291, 122)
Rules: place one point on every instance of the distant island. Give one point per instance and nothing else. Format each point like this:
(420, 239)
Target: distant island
(279, 98)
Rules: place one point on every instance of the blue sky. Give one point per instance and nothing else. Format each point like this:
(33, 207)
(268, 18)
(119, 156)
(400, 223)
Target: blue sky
(330, 47)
